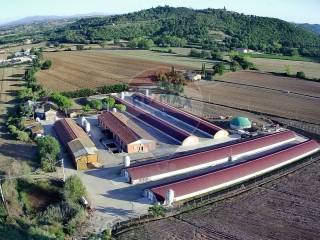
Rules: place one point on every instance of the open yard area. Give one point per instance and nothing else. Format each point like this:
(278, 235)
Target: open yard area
(93, 68)
(288, 209)
(311, 69)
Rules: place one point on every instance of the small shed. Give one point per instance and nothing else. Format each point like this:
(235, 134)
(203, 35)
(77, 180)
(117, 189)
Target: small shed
(240, 123)
(83, 153)
(37, 130)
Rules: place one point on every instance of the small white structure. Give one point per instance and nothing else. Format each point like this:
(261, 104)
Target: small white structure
(127, 161)
(114, 110)
(244, 50)
(122, 95)
(83, 121)
(147, 92)
(169, 197)
(87, 127)
(193, 76)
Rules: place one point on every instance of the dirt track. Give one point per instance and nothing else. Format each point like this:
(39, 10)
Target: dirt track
(286, 209)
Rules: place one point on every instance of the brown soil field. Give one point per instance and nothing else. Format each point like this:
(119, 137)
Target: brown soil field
(257, 99)
(269, 80)
(284, 209)
(80, 69)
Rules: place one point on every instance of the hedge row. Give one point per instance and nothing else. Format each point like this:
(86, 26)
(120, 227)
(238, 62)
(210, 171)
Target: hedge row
(86, 92)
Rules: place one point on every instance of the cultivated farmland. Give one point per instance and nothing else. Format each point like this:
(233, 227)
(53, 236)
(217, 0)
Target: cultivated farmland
(311, 69)
(79, 69)
(253, 96)
(288, 209)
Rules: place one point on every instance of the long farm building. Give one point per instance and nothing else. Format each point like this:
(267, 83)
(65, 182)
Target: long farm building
(217, 180)
(195, 121)
(79, 145)
(180, 165)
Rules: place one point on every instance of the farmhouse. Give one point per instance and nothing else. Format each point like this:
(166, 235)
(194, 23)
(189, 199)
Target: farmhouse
(216, 180)
(80, 146)
(180, 165)
(121, 128)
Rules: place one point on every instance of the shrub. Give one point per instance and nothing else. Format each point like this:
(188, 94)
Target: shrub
(46, 65)
(219, 68)
(74, 189)
(86, 108)
(301, 75)
(120, 107)
(157, 210)
(96, 104)
(22, 136)
(48, 148)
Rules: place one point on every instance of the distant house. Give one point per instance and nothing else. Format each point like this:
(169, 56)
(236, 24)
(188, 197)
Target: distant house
(244, 50)
(193, 76)
(45, 112)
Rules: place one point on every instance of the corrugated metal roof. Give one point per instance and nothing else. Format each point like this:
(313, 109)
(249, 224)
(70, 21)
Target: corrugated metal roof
(179, 114)
(170, 165)
(119, 128)
(216, 178)
(67, 130)
(173, 131)
(82, 146)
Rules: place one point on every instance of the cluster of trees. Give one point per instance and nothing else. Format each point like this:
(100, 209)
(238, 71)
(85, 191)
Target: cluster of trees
(141, 43)
(167, 26)
(87, 92)
(171, 82)
(49, 149)
(63, 102)
(106, 103)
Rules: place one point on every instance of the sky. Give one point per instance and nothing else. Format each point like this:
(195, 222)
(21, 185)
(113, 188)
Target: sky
(299, 11)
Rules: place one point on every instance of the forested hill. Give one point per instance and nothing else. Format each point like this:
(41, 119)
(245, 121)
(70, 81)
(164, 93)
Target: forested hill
(312, 27)
(209, 28)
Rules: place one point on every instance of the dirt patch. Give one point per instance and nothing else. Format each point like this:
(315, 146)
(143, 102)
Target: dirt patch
(39, 199)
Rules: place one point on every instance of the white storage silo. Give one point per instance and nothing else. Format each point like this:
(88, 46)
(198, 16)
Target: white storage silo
(83, 121)
(87, 126)
(127, 161)
(169, 197)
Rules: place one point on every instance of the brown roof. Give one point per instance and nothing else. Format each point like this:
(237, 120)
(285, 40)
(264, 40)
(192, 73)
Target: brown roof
(119, 128)
(179, 163)
(216, 178)
(67, 130)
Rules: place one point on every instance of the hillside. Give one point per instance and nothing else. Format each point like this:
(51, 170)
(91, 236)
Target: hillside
(196, 27)
(312, 27)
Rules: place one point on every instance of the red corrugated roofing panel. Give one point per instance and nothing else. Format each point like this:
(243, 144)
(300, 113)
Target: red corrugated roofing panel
(156, 122)
(165, 166)
(199, 183)
(116, 126)
(67, 130)
(179, 114)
